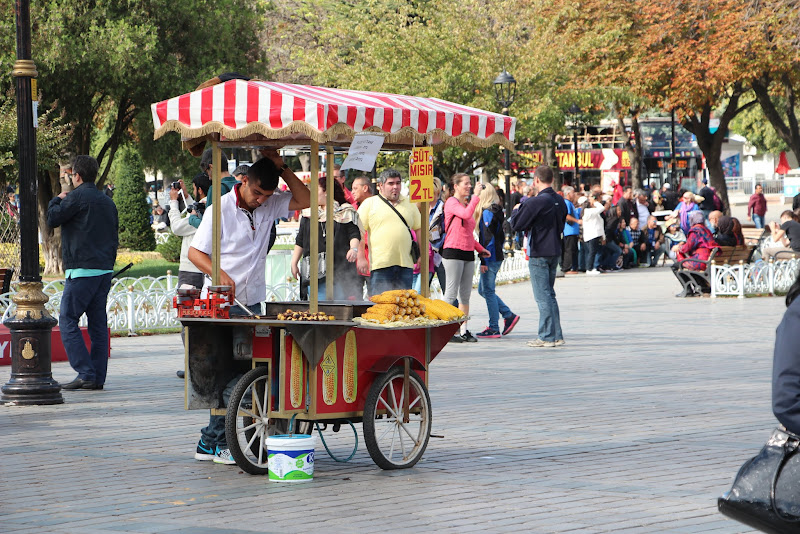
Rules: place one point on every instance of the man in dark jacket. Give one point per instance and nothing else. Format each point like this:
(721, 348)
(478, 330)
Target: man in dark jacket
(542, 218)
(89, 240)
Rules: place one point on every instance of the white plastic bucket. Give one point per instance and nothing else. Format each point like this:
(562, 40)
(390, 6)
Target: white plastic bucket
(291, 458)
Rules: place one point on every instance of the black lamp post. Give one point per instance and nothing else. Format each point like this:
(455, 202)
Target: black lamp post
(30, 325)
(574, 111)
(505, 90)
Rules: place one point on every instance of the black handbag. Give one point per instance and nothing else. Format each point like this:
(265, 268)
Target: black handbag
(414, 245)
(766, 492)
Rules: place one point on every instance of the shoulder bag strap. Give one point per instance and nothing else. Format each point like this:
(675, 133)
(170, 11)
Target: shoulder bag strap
(398, 214)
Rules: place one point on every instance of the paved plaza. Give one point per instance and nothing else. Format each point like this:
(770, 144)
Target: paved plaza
(637, 424)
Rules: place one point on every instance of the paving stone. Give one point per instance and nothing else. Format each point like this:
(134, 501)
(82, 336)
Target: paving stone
(637, 424)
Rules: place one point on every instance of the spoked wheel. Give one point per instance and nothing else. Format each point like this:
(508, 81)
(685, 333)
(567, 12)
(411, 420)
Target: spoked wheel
(247, 424)
(391, 442)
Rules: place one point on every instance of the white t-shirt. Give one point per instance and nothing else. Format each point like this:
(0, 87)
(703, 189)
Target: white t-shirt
(243, 249)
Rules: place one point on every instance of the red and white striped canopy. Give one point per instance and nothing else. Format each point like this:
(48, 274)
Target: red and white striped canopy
(292, 114)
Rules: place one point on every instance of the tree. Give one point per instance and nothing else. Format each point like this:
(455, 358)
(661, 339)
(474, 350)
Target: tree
(102, 63)
(134, 215)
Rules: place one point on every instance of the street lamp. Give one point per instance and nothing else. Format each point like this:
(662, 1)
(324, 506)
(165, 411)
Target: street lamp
(505, 90)
(30, 325)
(574, 111)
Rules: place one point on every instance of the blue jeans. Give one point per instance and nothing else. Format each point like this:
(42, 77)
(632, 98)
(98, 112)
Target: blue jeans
(494, 304)
(758, 220)
(592, 253)
(543, 278)
(388, 278)
(86, 295)
(611, 252)
(214, 433)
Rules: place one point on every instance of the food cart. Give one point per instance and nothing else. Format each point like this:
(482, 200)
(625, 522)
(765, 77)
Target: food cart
(295, 372)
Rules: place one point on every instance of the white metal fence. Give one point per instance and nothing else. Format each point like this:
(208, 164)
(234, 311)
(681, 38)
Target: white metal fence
(136, 304)
(757, 278)
(747, 185)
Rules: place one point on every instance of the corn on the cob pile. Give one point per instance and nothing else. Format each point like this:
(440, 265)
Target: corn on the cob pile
(407, 305)
(350, 368)
(439, 309)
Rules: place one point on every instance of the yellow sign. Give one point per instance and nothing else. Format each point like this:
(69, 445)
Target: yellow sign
(34, 90)
(420, 171)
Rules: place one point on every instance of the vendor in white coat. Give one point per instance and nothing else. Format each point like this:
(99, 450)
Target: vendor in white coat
(248, 214)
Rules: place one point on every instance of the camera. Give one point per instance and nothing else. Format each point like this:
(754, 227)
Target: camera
(176, 185)
(199, 207)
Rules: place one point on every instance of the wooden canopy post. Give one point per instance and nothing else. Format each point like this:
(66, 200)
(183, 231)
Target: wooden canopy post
(313, 288)
(329, 222)
(216, 226)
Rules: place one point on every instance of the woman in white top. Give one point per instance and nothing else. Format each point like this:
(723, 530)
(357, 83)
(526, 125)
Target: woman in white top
(593, 230)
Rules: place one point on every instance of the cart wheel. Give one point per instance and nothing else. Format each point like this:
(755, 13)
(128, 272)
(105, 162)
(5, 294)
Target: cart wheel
(391, 443)
(247, 425)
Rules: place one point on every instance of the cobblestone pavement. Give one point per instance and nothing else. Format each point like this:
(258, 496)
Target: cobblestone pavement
(637, 424)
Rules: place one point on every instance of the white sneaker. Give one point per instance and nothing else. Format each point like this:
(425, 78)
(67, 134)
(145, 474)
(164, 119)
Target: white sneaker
(593, 272)
(224, 456)
(537, 343)
(558, 342)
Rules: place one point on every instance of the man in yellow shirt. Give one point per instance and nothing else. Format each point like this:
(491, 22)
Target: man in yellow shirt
(389, 236)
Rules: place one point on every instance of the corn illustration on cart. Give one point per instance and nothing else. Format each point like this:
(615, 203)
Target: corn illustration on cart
(297, 372)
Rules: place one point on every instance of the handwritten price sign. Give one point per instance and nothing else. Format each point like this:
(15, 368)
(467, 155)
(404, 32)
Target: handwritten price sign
(420, 171)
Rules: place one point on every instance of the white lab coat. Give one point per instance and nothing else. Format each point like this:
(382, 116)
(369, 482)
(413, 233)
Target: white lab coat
(243, 251)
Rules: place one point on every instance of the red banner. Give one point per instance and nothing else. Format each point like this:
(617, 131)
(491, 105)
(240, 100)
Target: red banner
(607, 159)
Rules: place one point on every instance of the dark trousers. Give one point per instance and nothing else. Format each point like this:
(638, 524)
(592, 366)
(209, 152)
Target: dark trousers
(592, 248)
(569, 256)
(86, 295)
(390, 278)
(214, 433)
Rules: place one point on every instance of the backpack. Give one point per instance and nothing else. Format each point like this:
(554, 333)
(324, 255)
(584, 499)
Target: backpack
(717, 200)
(436, 228)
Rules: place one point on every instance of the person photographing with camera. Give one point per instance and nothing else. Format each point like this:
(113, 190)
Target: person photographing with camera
(188, 274)
(460, 245)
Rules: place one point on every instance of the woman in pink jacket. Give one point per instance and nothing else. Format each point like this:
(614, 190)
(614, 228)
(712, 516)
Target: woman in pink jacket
(458, 251)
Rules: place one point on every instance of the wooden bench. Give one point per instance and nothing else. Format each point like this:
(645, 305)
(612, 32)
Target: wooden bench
(6, 275)
(755, 236)
(695, 283)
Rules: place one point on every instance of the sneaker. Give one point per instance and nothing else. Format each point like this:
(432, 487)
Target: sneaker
(223, 456)
(469, 338)
(457, 339)
(537, 343)
(204, 452)
(572, 272)
(558, 342)
(509, 324)
(488, 334)
(593, 272)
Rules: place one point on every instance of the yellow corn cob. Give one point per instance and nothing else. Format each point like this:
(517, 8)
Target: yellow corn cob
(412, 293)
(329, 374)
(441, 309)
(383, 310)
(375, 317)
(415, 311)
(385, 299)
(350, 368)
(403, 293)
(296, 376)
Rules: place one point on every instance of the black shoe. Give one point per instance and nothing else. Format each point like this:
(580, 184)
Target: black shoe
(181, 374)
(457, 339)
(79, 383)
(469, 338)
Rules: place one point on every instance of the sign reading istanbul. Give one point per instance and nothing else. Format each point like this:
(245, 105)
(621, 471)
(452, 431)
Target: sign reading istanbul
(420, 172)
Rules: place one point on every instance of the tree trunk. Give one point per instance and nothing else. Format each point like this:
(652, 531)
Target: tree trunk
(49, 186)
(632, 143)
(789, 130)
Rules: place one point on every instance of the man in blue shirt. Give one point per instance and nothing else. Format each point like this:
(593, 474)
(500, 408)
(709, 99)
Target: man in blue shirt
(89, 240)
(572, 230)
(542, 218)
